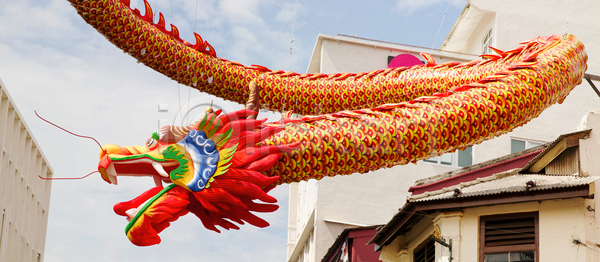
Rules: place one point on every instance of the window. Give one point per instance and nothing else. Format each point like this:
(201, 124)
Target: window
(509, 238)
(487, 42)
(459, 158)
(425, 252)
(511, 257)
(517, 145)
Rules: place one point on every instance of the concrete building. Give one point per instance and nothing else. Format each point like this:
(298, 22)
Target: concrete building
(320, 210)
(543, 211)
(24, 197)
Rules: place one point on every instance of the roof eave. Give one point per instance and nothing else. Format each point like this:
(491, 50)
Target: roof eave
(456, 24)
(411, 210)
(553, 149)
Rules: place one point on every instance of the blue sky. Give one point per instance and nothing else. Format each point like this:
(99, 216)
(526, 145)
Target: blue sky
(52, 62)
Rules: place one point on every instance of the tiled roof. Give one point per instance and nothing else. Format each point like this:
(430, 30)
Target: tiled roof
(505, 182)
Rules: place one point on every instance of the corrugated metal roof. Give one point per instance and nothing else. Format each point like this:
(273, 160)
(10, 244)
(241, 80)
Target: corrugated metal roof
(479, 166)
(505, 182)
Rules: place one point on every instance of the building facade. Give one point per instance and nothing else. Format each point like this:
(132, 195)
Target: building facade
(320, 210)
(542, 211)
(24, 197)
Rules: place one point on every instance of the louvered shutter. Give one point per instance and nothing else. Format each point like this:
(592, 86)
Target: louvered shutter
(426, 253)
(518, 231)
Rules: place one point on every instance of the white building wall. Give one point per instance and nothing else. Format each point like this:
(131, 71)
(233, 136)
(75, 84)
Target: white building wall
(475, 43)
(353, 55)
(517, 21)
(24, 197)
(560, 221)
(589, 150)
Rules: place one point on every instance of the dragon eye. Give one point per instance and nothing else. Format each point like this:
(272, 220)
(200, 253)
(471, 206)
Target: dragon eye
(151, 143)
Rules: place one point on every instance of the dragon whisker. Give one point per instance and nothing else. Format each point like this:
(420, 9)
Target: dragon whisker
(67, 178)
(63, 129)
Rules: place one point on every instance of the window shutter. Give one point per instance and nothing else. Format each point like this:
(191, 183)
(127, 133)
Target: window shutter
(425, 253)
(507, 232)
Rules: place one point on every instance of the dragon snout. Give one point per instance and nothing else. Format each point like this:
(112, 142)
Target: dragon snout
(104, 166)
(128, 161)
(112, 149)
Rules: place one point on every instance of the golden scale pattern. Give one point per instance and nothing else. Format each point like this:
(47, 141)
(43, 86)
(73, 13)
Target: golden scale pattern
(394, 134)
(415, 113)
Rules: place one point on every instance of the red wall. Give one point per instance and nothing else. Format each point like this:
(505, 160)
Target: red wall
(360, 251)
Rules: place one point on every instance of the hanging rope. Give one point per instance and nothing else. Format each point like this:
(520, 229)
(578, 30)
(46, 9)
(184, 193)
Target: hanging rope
(442, 23)
(293, 27)
(291, 49)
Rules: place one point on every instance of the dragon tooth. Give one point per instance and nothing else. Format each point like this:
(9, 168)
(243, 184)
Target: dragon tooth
(210, 79)
(159, 168)
(112, 174)
(131, 213)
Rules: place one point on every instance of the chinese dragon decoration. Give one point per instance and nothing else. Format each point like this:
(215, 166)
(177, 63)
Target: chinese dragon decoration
(218, 167)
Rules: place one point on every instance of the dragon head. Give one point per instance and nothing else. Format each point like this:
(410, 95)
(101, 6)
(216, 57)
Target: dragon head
(213, 168)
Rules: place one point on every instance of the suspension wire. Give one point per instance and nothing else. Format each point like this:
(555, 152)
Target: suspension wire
(187, 120)
(283, 8)
(349, 15)
(396, 22)
(442, 23)
(293, 26)
(176, 66)
(285, 99)
(316, 17)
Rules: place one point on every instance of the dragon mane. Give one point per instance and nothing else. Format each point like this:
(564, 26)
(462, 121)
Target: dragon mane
(230, 195)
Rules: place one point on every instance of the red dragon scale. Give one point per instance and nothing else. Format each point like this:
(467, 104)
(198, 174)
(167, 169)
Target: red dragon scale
(222, 167)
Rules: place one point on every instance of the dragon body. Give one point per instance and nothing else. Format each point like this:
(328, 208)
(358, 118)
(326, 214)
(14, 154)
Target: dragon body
(196, 65)
(220, 165)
